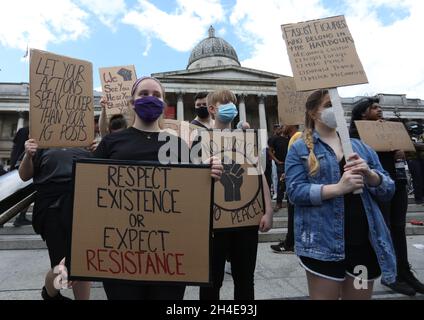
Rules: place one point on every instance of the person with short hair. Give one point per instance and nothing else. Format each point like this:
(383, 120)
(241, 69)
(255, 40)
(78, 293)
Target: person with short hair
(203, 118)
(240, 245)
(117, 123)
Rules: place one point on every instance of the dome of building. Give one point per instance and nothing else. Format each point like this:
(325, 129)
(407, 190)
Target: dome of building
(212, 52)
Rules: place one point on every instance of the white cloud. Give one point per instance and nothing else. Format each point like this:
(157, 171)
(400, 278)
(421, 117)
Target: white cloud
(391, 51)
(106, 11)
(222, 32)
(259, 26)
(181, 29)
(38, 23)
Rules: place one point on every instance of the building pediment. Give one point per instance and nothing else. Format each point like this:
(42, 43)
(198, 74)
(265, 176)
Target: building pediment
(224, 73)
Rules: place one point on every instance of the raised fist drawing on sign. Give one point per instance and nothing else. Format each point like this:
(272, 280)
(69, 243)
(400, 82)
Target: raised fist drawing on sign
(232, 180)
(125, 74)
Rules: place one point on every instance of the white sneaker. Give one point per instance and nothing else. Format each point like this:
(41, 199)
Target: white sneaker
(274, 197)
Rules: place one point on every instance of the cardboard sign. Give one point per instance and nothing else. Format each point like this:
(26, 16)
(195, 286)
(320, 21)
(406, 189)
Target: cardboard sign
(138, 222)
(322, 54)
(239, 200)
(117, 83)
(385, 136)
(183, 129)
(61, 100)
(291, 103)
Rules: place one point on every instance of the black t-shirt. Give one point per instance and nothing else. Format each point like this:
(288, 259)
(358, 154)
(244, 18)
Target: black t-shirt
(356, 223)
(134, 144)
(280, 145)
(387, 160)
(54, 165)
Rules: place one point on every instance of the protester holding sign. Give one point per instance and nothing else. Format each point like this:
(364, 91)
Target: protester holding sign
(51, 171)
(239, 245)
(340, 237)
(141, 142)
(394, 211)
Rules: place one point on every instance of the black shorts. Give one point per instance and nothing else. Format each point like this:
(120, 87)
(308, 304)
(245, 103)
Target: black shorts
(56, 235)
(360, 262)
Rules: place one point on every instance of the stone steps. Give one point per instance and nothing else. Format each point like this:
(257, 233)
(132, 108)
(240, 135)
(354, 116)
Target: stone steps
(24, 238)
(276, 234)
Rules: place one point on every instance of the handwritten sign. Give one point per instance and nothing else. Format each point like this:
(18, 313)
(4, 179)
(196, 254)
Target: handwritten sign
(385, 136)
(117, 83)
(182, 129)
(322, 54)
(239, 200)
(138, 222)
(61, 100)
(291, 103)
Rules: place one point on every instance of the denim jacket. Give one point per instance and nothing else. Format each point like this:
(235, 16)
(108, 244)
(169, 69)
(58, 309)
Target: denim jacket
(318, 223)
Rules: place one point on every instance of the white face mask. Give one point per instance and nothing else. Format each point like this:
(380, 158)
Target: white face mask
(329, 118)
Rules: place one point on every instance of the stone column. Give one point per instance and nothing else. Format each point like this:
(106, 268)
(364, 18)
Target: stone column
(180, 107)
(242, 108)
(21, 121)
(263, 133)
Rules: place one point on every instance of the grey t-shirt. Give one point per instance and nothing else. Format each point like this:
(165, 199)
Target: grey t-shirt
(54, 165)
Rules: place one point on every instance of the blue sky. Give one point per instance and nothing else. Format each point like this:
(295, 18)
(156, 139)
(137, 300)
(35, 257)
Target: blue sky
(158, 35)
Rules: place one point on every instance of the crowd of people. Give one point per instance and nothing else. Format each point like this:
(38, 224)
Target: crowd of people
(332, 228)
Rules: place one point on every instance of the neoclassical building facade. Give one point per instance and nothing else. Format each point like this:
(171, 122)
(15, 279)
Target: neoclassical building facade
(213, 64)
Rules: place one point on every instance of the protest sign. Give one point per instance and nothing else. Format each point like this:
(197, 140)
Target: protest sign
(117, 83)
(291, 103)
(385, 136)
(182, 129)
(138, 222)
(239, 200)
(61, 100)
(322, 54)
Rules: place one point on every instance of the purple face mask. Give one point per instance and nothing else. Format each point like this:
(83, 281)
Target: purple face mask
(149, 109)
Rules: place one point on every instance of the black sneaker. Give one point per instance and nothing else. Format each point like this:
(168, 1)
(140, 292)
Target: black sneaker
(408, 277)
(277, 248)
(282, 248)
(400, 287)
(46, 296)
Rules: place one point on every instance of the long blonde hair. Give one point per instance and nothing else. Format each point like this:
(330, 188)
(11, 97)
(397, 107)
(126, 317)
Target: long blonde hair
(312, 104)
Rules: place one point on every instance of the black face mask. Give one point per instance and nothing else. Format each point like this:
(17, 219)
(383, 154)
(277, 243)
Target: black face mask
(202, 112)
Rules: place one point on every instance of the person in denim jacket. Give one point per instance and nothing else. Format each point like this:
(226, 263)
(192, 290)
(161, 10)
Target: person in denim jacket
(340, 237)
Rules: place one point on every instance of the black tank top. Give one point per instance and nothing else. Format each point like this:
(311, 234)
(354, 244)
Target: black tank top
(356, 223)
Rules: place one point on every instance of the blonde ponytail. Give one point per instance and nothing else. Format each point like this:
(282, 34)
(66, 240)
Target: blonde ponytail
(313, 162)
(312, 104)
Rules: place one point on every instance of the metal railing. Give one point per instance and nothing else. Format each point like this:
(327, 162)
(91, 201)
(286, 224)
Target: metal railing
(15, 195)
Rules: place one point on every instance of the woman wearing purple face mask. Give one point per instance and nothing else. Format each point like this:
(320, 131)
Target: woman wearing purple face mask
(141, 143)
